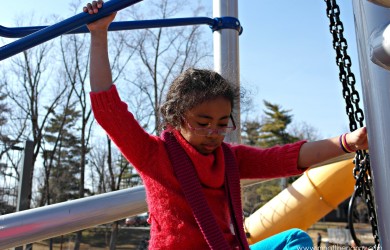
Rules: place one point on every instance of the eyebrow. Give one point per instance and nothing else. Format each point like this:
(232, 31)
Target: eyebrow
(209, 117)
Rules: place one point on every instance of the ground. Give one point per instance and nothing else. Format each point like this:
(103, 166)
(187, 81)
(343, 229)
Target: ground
(131, 237)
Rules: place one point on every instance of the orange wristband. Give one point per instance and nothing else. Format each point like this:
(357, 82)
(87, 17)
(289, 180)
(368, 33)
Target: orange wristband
(345, 144)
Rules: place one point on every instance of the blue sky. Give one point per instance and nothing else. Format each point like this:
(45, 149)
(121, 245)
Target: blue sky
(286, 55)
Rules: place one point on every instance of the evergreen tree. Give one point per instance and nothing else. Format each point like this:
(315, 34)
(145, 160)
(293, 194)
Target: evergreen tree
(274, 129)
(251, 133)
(62, 163)
(270, 132)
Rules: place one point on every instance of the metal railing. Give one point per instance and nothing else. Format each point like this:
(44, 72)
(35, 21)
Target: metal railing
(63, 27)
(35, 35)
(41, 223)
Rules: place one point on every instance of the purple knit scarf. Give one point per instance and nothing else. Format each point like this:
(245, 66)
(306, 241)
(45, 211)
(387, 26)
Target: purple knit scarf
(192, 189)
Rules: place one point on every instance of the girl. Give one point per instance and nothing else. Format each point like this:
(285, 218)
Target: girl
(191, 176)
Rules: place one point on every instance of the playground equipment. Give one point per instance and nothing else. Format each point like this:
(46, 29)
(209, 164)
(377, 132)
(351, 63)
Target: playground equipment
(307, 200)
(371, 19)
(362, 169)
(35, 35)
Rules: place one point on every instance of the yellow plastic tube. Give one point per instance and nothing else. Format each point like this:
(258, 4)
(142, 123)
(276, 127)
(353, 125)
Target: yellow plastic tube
(317, 192)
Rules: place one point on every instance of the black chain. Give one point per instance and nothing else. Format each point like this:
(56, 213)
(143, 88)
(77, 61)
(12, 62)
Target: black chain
(362, 168)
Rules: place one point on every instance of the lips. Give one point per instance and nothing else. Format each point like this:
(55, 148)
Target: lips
(210, 146)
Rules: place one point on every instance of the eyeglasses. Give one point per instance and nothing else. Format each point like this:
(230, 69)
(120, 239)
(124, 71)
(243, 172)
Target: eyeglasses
(205, 131)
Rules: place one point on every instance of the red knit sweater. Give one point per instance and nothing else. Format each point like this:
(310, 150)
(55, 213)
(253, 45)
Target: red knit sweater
(172, 223)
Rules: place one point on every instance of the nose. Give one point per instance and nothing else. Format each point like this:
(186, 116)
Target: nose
(213, 133)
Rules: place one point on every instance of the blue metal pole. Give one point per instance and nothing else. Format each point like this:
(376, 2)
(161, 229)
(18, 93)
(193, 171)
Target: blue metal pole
(35, 35)
(115, 26)
(62, 27)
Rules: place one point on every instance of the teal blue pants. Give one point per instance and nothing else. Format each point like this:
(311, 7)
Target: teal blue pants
(293, 239)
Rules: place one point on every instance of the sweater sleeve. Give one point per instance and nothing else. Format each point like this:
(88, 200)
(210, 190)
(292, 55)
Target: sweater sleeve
(113, 116)
(274, 162)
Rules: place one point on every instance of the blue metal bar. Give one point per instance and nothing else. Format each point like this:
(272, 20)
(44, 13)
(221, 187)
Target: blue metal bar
(115, 26)
(214, 23)
(18, 32)
(62, 27)
(35, 35)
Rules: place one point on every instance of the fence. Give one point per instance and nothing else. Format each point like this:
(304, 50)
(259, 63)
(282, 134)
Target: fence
(9, 178)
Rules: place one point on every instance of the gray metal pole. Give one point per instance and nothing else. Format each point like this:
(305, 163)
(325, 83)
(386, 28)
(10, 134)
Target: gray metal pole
(46, 222)
(226, 54)
(370, 22)
(24, 191)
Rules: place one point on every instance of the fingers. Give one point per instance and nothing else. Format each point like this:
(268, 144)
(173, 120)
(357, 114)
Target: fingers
(361, 140)
(357, 139)
(93, 7)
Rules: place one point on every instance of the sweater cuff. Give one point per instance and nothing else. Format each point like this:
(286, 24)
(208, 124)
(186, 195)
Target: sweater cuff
(105, 98)
(292, 155)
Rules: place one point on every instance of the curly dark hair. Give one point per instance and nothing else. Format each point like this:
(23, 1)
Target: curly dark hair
(191, 88)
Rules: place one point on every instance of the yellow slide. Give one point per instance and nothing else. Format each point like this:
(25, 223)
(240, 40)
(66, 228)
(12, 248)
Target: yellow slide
(317, 192)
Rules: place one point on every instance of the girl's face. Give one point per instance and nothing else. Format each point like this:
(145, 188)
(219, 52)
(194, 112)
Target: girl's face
(213, 114)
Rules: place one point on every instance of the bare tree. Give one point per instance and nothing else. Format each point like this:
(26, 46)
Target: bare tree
(112, 174)
(162, 54)
(9, 136)
(305, 131)
(98, 166)
(32, 96)
(4, 112)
